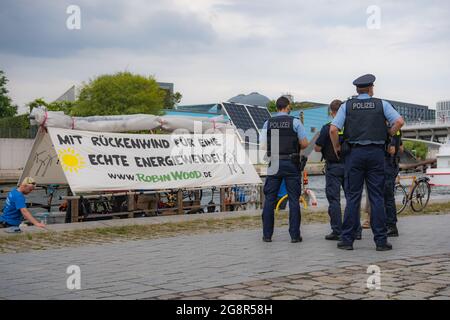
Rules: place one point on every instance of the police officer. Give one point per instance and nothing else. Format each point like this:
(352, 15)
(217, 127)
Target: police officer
(283, 136)
(334, 175)
(364, 118)
(394, 146)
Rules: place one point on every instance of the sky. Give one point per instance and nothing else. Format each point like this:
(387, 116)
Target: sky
(213, 50)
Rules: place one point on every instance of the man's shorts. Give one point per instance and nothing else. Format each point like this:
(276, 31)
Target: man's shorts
(4, 225)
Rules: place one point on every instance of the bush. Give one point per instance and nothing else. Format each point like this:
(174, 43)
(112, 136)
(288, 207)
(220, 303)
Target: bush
(120, 93)
(419, 149)
(17, 127)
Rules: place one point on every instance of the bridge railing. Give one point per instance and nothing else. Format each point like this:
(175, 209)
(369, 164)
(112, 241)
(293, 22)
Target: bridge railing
(428, 123)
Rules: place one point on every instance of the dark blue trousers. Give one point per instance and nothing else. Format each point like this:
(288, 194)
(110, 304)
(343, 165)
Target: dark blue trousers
(291, 175)
(334, 181)
(391, 172)
(365, 163)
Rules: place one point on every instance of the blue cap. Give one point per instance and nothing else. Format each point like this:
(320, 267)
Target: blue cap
(364, 81)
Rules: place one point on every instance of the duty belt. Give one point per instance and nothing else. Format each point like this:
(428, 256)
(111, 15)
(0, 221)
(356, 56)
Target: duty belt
(282, 157)
(357, 145)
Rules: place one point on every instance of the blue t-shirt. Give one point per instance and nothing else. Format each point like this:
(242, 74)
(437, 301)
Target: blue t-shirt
(283, 191)
(11, 210)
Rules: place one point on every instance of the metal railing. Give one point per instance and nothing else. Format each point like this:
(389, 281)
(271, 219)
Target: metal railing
(427, 123)
(18, 133)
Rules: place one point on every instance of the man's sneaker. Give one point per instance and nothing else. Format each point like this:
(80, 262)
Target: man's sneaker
(384, 247)
(333, 237)
(297, 240)
(344, 246)
(392, 231)
(266, 239)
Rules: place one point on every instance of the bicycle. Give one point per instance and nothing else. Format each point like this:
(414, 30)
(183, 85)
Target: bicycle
(417, 196)
(304, 199)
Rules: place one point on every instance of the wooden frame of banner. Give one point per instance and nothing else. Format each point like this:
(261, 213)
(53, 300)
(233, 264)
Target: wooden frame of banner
(179, 209)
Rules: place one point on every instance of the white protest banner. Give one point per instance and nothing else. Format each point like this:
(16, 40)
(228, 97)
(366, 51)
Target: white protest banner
(94, 161)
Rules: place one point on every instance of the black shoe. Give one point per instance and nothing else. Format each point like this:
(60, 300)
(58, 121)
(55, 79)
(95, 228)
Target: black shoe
(297, 240)
(392, 231)
(333, 237)
(384, 247)
(344, 246)
(358, 236)
(266, 239)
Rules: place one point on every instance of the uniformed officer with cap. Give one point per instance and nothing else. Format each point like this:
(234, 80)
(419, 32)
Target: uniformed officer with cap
(364, 118)
(283, 136)
(334, 175)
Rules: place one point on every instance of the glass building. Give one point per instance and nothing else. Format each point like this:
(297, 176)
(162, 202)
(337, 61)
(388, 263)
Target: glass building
(413, 112)
(443, 111)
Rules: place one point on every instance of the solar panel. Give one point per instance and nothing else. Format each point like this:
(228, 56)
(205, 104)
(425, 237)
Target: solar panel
(259, 115)
(239, 116)
(247, 117)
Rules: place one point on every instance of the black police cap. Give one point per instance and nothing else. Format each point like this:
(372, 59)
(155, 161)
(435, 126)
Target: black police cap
(364, 81)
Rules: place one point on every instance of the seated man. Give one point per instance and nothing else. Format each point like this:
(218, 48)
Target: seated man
(15, 208)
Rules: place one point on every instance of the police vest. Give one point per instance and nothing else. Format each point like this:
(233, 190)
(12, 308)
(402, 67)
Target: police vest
(365, 120)
(327, 150)
(283, 128)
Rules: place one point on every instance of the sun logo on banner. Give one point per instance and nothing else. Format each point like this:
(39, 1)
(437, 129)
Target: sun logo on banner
(71, 160)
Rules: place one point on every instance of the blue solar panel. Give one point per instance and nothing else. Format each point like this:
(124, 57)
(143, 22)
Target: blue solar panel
(259, 115)
(239, 116)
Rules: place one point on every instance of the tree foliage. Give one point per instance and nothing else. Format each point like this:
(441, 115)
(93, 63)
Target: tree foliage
(65, 106)
(272, 106)
(419, 149)
(170, 100)
(7, 109)
(120, 93)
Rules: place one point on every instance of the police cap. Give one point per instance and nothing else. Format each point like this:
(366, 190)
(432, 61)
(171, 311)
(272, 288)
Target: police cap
(365, 81)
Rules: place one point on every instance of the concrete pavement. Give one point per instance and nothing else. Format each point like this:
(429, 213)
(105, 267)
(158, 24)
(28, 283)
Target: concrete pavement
(168, 267)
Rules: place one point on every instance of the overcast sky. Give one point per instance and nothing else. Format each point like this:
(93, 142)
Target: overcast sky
(215, 49)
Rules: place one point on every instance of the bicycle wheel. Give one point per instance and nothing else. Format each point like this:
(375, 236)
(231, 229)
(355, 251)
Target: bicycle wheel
(420, 195)
(281, 204)
(400, 193)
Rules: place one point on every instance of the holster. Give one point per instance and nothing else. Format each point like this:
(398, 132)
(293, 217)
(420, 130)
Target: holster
(299, 161)
(303, 161)
(295, 158)
(396, 161)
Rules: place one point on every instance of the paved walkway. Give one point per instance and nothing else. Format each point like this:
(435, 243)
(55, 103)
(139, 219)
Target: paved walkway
(193, 266)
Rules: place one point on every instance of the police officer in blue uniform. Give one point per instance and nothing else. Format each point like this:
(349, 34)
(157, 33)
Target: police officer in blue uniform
(334, 176)
(391, 169)
(364, 118)
(283, 136)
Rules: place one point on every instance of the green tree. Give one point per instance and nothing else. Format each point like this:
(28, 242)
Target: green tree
(419, 149)
(170, 100)
(7, 109)
(302, 105)
(120, 93)
(65, 106)
(272, 106)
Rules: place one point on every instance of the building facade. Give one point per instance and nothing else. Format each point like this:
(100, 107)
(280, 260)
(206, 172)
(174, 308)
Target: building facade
(414, 112)
(313, 119)
(443, 111)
